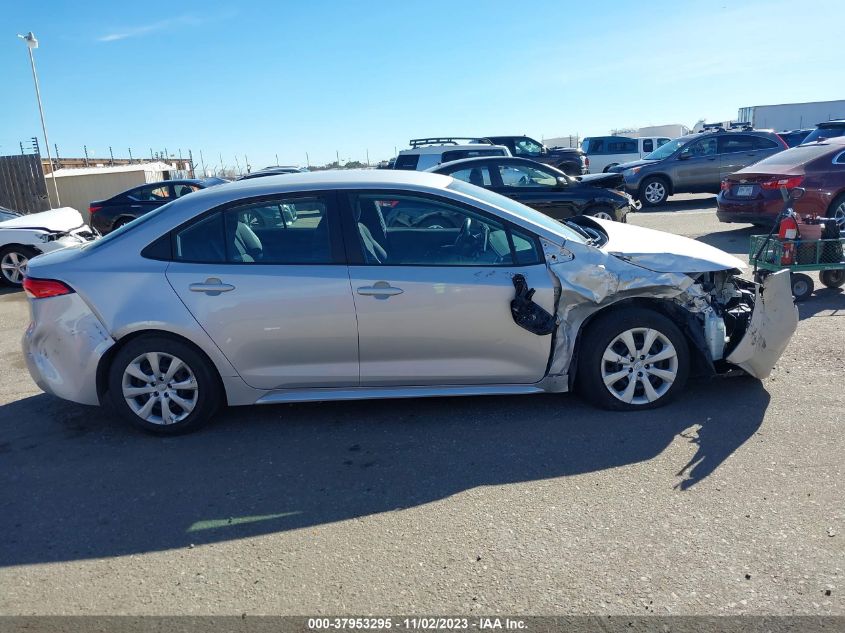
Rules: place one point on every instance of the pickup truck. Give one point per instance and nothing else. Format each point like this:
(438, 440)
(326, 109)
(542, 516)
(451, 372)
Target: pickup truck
(570, 160)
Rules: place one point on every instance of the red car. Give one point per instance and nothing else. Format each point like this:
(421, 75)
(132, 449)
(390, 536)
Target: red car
(752, 194)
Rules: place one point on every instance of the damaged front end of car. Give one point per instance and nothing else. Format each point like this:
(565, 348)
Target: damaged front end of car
(731, 323)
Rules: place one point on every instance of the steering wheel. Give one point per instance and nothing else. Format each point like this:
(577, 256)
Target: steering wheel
(465, 233)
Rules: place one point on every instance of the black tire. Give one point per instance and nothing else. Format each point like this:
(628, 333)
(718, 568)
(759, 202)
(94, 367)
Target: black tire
(10, 256)
(208, 389)
(833, 278)
(802, 286)
(602, 211)
(120, 222)
(660, 186)
(837, 210)
(602, 334)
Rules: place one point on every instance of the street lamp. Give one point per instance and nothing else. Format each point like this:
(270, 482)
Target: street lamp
(32, 42)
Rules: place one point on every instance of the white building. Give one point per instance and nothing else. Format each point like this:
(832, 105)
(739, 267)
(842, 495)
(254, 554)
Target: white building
(792, 116)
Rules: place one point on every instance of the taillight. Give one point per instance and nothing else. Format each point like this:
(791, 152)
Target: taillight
(790, 182)
(93, 208)
(44, 288)
(587, 161)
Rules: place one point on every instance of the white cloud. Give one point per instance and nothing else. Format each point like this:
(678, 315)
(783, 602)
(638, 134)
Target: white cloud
(146, 29)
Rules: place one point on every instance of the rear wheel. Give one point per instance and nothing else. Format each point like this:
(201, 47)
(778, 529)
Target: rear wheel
(802, 286)
(654, 191)
(836, 210)
(636, 359)
(832, 278)
(120, 222)
(14, 261)
(163, 386)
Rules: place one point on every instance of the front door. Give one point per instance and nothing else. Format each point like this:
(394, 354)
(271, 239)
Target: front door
(267, 281)
(697, 167)
(433, 302)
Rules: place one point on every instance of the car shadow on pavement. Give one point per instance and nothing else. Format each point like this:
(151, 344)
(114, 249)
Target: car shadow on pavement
(736, 241)
(685, 203)
(77, 484)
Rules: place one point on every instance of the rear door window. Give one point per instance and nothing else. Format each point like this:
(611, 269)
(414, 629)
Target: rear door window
(648, 145)
(479, 176)
(732, 143)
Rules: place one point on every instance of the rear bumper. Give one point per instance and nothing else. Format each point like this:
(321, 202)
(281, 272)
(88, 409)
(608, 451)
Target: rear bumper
(759, 211)
(773, 321)
(63, 346)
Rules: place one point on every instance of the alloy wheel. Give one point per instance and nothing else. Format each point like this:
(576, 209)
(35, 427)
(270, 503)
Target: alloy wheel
(839, 216)
(160, 388)
(13, 265)
(601, 215)
(654, 192)
(639, 366)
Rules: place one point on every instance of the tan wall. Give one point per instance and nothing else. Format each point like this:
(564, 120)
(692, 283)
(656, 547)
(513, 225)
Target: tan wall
(79, 191)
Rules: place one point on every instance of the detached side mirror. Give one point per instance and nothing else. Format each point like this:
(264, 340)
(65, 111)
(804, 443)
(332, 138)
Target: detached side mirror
(544, 151)
(562, 181)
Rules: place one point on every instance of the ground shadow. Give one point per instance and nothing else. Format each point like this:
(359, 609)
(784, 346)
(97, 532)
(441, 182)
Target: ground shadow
(698, 203)
(828, 300)
(736, 241)
(75, 484)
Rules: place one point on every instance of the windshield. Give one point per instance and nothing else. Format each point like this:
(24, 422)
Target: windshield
(517, 208)
(825, 132)
(667, 149)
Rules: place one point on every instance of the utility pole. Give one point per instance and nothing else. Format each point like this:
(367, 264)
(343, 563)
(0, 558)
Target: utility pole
(307, 160)
(130, 155)
(32, 42)
(368, 157)
(221, 165)
(277, 160)
(111, 156)
(240, 173)
(202, 162)
(337, 153)
(191, 158)
(85, 149)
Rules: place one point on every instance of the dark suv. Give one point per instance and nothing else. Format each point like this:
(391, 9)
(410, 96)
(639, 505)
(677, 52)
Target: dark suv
(696, 163)
(828, 129)
(570, 160)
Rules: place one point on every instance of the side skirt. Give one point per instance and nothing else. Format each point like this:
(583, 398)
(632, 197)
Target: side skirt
(369, 393)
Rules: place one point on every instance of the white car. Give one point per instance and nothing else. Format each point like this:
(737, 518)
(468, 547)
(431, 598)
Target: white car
(606, 152)
(22, 237)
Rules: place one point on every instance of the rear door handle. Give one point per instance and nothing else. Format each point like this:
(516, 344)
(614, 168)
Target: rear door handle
(380, 290)
(212, 287)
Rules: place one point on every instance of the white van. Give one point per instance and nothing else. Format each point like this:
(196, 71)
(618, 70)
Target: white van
(605, 152)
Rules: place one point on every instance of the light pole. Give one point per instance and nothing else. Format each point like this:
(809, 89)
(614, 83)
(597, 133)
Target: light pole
(32, 42)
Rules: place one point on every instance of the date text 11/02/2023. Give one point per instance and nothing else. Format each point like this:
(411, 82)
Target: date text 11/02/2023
(416, 623)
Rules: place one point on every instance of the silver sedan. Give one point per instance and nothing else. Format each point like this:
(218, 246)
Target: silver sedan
(294, 288)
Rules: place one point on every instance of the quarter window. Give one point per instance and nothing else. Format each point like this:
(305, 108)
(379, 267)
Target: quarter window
(761, 142)
(648, 145)
(406, 161)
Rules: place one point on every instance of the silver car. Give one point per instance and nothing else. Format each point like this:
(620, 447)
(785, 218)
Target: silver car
(197, 305)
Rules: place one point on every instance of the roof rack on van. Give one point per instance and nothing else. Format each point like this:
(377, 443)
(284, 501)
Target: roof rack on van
(447, 140)
(720, 127)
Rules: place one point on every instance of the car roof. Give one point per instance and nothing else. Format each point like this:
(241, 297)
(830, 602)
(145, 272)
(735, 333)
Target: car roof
(480, 160)
(834, 123)
(440, 149)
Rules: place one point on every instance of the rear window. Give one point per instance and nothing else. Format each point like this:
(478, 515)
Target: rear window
(793, 156)
(407, 161)
(825, 132)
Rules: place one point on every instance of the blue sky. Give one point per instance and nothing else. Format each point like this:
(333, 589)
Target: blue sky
(286, 78)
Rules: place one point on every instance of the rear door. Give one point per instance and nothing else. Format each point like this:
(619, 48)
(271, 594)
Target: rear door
(268, 282)
(433, 304)
(740, 150)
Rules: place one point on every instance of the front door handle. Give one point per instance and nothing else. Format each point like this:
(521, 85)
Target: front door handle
(380, 290)
(212, 287)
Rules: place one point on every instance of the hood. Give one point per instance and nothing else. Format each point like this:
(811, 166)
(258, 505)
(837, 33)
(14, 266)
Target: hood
(564, 150)
(664, 252)
(634, 163)
(608, 180)
(62, 219)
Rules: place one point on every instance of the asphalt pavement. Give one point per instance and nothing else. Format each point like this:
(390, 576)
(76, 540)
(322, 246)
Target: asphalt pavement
(729, 501)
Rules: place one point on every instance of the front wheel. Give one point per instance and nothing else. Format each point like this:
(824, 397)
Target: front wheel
(602, 213)
(163, 386)
(633, 359)
(654, 192)
(802, 286)
(837, 211)
(14, 261)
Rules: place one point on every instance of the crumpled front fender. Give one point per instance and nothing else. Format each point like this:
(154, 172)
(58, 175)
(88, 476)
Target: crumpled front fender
(772, 324)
